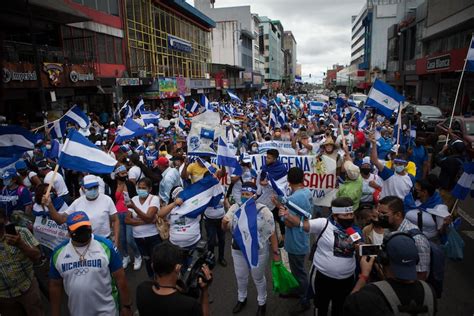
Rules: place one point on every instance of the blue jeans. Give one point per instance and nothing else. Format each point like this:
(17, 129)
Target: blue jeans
(215, 235)
(126, 237)
(298, 270)
(146, 246)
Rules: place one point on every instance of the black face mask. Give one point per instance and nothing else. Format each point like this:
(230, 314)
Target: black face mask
(345, 223)
(415, 195)
(383, 221)
(375, 222)
(122, 178)
(82, 235)
(365, 171)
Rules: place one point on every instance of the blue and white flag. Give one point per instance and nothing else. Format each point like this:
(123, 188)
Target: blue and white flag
(272, 120)
(280, 186)
(281, 118)
(352, 104)
(15, 140)
(77, 116)
(8, 163)
(226, 157)
(361, 117)
(233, 96)
(57, 129)
(384, 98)
(205, 103)
(150, 117)
(264, 102)
(212, 170)
(127, 110)
(79, 154)
(297, 210)
(140, 107)
(316, 107)
(193, 107)
(245, 234)
(470, 57)
(198, 196)
(131, 129)
(182, 121)
(463, 187)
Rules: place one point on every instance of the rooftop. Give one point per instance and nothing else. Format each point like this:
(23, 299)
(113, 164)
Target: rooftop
(185, 8)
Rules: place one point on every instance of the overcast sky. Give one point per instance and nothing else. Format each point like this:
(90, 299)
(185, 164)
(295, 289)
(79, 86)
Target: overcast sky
(322, 28)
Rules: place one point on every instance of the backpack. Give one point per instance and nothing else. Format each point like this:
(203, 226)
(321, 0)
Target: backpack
(437, 264)
(427, 309)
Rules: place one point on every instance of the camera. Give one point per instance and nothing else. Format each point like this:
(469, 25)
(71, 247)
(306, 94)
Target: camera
(199, 256)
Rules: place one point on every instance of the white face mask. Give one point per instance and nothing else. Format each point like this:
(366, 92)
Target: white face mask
(48, 146)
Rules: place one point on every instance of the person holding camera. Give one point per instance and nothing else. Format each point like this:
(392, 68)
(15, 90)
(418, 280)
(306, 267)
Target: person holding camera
(400, 292)
(163, 294)
(266, 238)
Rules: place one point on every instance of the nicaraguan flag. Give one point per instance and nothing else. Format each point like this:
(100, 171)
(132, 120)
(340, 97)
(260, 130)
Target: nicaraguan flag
(297, 210)
(193, 107)
(127, 110)
(316, 107)
(212, 170)
(470, 56)
(79, 154)
(463, 187)
(205, 102)
(181, 101)
(150, 117)
(131, 129)
(77, 116)
(245, 234)
(8, 163)
(233, 96)
(384, 98)
(352, 104)
(361, 117)
(15, 140)
(182, 121)
(264, 102)
(272, 120)
(226, 157)
(57, 129)
(140, 107)
(198, 196)
(281, 118)
(398, 126)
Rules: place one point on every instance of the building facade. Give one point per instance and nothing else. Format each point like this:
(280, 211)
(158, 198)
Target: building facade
(169, 45)
(289, 47)
(271, 39)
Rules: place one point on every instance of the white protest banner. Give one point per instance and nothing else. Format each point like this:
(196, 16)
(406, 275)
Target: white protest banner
(204, 129)
(48, 233)
(319, 175)
(283, 147)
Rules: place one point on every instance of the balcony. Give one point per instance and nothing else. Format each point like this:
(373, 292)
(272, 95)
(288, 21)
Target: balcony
(23, 52)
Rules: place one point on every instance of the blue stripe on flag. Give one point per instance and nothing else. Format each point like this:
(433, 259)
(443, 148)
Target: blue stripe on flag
(246, 232)
(15, 140)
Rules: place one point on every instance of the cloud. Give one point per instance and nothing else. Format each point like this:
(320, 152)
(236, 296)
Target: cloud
(322, 28)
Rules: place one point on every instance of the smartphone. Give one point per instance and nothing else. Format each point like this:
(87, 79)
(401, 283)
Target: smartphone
(10, 229)
(369, 250)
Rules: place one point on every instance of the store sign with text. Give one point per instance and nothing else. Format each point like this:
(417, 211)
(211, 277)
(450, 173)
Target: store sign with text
(9, 75)
(438, 63)
(179, 44)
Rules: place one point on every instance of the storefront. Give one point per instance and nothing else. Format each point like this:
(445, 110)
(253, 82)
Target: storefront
(62, 84)
(439, 78)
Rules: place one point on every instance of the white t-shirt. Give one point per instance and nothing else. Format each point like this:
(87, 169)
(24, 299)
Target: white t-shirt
(59, 185)
(217, 212)
(367, 190)
(27, 179)
(395, 184)
(88, 285)
(184, 231)
(430, 227)
(98, 210)
(334, 256)
(377, 239)
(146, 230)
(135, 173)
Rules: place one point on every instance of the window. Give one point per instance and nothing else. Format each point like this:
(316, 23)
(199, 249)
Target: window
(110, 49)
(102, 48)
(103, 5)
(114, 7)
(118, 51)
(91, 4)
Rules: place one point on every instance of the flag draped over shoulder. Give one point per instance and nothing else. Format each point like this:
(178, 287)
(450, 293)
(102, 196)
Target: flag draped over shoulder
(245, 234)
(79, 154)
(226, 157)
(276, 173)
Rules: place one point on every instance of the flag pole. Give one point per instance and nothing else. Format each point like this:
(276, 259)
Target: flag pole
(112, 146)
(399, 122)
(459, 88)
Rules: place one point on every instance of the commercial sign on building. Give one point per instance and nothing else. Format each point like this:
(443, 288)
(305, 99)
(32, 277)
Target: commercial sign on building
(11, 75)
(179, 44)
(128, 81)
(168, 88)
(54, 72)
(75, 76)
(438, 63)
(247, 76)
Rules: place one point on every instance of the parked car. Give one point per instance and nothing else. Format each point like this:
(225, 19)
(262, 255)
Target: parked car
(463, 129)
(430, 115)
(358, 98)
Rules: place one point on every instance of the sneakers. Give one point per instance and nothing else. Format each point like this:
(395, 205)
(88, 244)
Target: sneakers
(137, 264)
(125, 262)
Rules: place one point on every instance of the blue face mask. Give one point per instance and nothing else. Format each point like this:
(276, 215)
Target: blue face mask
(142, 193)
(243, 199)
(92, 194)
(399, 169)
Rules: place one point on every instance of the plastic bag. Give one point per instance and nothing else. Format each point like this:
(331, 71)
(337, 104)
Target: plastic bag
(283, 280)
(454, 246)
